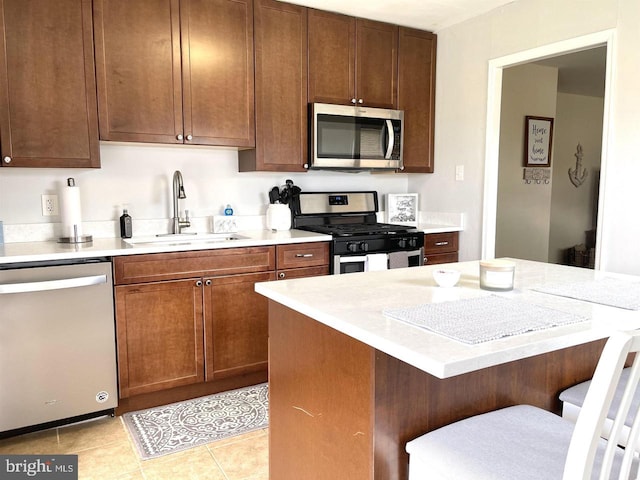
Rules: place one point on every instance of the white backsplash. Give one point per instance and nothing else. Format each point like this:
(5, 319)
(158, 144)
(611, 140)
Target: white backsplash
(42, 232)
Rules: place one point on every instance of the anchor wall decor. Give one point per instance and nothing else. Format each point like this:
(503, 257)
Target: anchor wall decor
(579, 174)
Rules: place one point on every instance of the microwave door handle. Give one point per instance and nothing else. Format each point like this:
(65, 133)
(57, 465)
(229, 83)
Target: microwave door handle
(391, 139)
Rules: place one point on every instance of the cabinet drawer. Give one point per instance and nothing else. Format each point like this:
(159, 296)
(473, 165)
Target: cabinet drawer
(302, 272)
(435, 259)
(173, 266)
(298, 255)
(441, 242)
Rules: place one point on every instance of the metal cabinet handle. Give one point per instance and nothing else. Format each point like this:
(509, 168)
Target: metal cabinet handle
(189, 137)
(208, 283)
(441, 244)
(7, 159)
(304, 255)
(199, 283)
(179, 136)
(360, 101)
(353, 100)
(282, 275)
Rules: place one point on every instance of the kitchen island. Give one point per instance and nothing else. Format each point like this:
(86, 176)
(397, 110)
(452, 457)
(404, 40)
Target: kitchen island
(350, 386)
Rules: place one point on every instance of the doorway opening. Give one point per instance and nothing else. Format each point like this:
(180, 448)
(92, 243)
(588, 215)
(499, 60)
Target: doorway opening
(526, 217)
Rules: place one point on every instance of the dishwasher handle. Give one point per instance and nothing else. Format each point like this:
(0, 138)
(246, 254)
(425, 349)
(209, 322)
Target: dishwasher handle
(52, 284)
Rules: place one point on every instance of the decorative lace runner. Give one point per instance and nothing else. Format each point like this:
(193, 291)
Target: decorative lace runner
(478, 320)
(614, 292)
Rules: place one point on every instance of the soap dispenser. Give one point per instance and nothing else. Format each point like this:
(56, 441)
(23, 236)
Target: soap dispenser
(126, 226)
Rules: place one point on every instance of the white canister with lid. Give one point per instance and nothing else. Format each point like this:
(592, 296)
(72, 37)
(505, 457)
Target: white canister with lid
(497, 275)
(278, 217)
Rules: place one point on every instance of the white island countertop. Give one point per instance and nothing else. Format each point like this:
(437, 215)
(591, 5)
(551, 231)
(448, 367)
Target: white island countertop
(353, 304)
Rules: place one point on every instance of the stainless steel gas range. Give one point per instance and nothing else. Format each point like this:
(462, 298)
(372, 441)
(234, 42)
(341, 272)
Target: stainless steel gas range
(360, 243)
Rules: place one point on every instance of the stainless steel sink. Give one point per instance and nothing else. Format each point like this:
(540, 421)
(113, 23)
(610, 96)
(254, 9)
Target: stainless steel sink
(185, 239)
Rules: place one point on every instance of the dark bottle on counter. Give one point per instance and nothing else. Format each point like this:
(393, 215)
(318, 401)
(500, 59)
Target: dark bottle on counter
(126, 228)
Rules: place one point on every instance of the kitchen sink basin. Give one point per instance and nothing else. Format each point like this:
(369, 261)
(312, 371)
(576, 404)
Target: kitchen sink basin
(185, 239)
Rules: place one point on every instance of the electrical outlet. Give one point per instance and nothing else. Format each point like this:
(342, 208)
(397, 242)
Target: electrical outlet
(50, 205)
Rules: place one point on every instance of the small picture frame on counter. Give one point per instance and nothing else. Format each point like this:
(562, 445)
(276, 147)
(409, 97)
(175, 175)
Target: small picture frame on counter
(402, 208)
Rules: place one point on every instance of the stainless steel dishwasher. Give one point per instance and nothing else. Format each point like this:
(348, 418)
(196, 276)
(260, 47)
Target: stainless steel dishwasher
(57, 342)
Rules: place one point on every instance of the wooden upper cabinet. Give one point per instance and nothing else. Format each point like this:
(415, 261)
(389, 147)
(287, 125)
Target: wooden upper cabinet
(352, 61)
(281, 89)
(138, 70)
(217, 72)
(416, 96)
(332, 57)
(173, 71)
(376, 63)
(48, 112)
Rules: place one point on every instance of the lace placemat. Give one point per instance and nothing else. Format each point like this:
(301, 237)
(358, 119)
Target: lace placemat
(614, 292)
(478, 320)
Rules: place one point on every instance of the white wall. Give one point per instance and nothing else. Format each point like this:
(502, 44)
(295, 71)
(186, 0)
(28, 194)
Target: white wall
(461, 102)
(524, 210)
(141, 176)
(578, 120)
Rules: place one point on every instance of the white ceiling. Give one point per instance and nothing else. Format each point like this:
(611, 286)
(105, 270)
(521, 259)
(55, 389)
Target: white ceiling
(431, 15)
(580, 73)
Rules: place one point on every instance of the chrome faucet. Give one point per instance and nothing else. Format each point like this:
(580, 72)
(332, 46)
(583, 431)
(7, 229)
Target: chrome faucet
(178, 193)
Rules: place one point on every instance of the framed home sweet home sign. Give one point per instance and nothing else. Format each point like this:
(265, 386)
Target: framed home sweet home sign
(538, 137)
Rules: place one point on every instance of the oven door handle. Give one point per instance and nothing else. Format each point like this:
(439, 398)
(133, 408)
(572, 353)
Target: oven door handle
(391, 139)
(52, 284)
(353, 259)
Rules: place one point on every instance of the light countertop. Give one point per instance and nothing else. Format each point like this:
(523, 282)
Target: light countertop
(353, 304)
(17, 252)
(109, 247)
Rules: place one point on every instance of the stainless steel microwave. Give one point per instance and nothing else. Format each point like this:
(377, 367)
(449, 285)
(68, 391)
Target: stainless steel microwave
(355, 138)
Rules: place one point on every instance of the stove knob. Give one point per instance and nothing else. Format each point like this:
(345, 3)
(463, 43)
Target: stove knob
(413, 242)
(402, 242)
(352, 247)
(364, 247)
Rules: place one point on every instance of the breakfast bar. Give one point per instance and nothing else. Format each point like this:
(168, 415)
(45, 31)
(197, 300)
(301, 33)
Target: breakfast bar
(350, 385)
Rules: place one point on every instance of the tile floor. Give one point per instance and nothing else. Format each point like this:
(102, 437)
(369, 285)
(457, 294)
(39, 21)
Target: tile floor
(106, 452)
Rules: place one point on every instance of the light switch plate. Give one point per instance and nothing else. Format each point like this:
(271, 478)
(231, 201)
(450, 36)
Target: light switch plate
(459, 173)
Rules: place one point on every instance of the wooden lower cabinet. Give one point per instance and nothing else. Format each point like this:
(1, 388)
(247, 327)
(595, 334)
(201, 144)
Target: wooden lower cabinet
(160, 330)
(236, 325)
(179, 337)
(441, 248)
(302, 260)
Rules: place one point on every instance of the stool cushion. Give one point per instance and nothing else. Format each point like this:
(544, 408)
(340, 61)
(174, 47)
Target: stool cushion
(576, 394)
(520, 442)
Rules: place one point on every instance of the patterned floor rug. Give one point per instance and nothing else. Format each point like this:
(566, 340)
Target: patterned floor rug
(179, 426)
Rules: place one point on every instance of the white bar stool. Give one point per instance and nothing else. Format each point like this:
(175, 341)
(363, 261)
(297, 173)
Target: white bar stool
(528, 443)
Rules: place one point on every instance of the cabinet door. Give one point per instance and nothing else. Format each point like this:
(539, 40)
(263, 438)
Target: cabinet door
(236, 325)
(281, 89)
(160, 336)
(416, 96)
(48, 108)
(376, 64)
(217, 72)
(332, 55)
(138, 70)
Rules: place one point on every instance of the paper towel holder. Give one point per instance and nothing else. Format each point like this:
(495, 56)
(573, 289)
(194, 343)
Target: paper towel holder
(75, 238)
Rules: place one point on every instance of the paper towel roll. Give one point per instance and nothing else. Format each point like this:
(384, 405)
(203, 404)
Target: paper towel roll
(71, 211)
